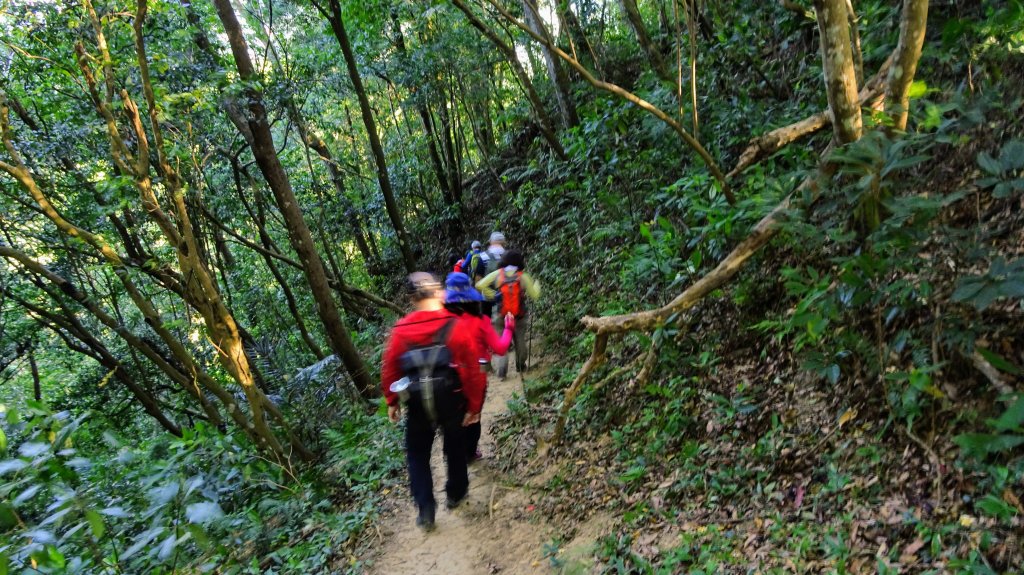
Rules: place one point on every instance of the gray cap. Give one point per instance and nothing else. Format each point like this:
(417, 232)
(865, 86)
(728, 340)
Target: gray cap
(497, 238)
(475, 245)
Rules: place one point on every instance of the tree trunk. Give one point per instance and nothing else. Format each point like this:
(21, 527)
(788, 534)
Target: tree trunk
(688, 138)
(574, 32)
(547, 127)
(298, 232)
(333, 15)
(259, 218)
(913, 23)
(559, 79)
(771, 142)
(37, 388)
(71, 323)
(858, 54)
(420, 103)
(839, 70)
(435, 157)
(448, 144)
(636, 23)
(316, 143)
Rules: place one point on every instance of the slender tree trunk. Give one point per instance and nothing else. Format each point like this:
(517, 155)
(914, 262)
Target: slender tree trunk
(72, 323)
(560, 80)
(37, 388)
(913, 23)
(333, 15)
(448, 144)
(435, 157)
(838, 67)
(577, 37)
(547, 127)
(259, 218)
(316, 143)
(636, 22)
(625, 95)
(420, 103)
(298, 232)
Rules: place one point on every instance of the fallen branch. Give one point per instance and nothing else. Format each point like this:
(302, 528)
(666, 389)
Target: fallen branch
(596, 359)
(648, 320)
(991, 373)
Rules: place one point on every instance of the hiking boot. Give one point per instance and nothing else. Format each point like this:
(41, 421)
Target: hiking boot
(425, 520)
(452, 503)
(476, 456)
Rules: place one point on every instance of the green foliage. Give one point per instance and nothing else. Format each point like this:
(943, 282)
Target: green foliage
(1004, 176)
(1003, 279)
(204, 501)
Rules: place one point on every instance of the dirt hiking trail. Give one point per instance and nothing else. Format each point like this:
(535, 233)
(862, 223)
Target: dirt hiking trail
(494, 531)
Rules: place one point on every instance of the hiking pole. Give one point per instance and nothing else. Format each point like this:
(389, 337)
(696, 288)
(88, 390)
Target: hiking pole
(529, 342)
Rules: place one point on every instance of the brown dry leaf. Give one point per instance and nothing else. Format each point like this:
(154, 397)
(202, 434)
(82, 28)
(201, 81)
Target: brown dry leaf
(1012, 499)
(847, 416)
(909, 554)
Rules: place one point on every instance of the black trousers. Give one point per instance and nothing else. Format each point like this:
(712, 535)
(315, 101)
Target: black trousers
(419, 440)
(472, 433)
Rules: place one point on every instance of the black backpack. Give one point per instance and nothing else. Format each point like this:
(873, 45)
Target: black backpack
(434, 387)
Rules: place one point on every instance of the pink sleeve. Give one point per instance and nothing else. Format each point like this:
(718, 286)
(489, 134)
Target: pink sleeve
(498, 345)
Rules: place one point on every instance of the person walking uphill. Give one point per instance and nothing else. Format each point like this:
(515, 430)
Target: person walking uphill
(463, 300)
(487, 262)
(508, 287)
(430, 363)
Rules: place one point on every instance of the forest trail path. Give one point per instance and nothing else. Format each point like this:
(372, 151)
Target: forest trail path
(494, 531)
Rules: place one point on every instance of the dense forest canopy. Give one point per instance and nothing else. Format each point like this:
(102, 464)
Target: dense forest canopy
(782, 246)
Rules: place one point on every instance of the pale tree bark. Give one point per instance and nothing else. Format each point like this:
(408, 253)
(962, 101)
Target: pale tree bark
(838, 67)
(858, 54)
(298, 232)
(332, 12)
(913, 23)
(547, 127)
(636, 23)
(559, 79)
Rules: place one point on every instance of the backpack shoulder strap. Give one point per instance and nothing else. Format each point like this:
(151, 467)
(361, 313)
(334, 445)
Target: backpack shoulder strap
(441, 336)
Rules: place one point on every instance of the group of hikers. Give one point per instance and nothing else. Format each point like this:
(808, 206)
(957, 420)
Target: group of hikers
(436, 361)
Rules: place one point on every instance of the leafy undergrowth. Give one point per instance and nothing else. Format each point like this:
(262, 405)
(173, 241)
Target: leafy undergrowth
(851, 403)
(76, 501)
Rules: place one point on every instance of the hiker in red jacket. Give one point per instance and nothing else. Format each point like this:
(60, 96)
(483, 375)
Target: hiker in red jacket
(462, 299)
(431, 360)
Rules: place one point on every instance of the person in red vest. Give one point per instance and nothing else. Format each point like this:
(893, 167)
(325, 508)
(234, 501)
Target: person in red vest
(431, 363)
(509, 287)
